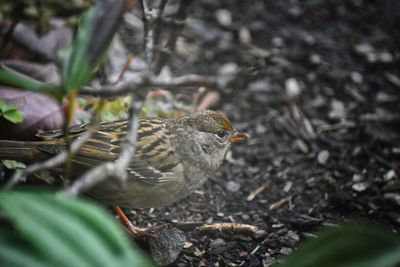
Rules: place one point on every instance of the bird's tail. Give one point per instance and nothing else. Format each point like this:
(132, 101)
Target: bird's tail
(19, 150)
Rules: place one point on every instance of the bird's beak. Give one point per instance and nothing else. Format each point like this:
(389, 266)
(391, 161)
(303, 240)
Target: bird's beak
(238, 137)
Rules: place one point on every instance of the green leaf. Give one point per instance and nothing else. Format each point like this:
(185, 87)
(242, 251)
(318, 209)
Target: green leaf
(46, 176)
(10, 112)
(12, 164)
(13, 115)
(95, 33)
(348, 246)
(19, 80)
(53, 230)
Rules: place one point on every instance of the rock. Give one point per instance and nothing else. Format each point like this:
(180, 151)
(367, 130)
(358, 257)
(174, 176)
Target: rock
(315, 59)
(356, 77)
(337, 111)
(216, 243)
(245, 36)
(224, 17)
(385, 57)
(232, 186)
(363, 48)
(286, 251)
(357, 178)
(395, 198)
(371, 55)
(228, 69)
(389, 175)
(227, 73)
(360, 187)
(166, 244)
(292, 87)
(323, 157)
(277, 42)
(259, 86)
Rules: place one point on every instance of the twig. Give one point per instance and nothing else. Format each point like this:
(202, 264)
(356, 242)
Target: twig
(142, 82)
(52, 162)
(149, 17)
(158, 24)
(217, 227)
(169, 47)
(116, 169)
(380, 117)
(256, 192)
(279, 203)
(144, 19)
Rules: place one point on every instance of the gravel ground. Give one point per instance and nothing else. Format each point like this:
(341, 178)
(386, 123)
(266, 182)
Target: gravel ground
(317, 90)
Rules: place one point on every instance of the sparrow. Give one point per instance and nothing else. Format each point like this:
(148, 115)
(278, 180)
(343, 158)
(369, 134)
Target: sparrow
(173, 157)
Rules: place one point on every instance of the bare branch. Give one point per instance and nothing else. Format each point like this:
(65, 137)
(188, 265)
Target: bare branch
(158, 24)
(149, 17)
(169, 48)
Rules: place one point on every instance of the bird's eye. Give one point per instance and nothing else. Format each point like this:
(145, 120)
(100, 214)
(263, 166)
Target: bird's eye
(221, 134)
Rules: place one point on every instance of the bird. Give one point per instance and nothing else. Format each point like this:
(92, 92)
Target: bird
(173, 157)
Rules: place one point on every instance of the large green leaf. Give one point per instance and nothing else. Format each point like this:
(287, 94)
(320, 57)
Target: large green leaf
(52, 230)
(19, 80)
(97, 27)
(348, 246)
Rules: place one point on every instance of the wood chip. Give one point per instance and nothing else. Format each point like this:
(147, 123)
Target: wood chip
(288, 186)
(253, 194)
(279, 203)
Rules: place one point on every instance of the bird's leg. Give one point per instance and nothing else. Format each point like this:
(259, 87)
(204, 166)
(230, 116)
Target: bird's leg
(136, 231)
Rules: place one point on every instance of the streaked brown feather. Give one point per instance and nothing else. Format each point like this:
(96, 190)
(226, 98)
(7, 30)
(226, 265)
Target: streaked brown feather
(153, 158)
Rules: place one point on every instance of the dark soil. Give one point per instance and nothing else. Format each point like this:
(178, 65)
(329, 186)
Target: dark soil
(317, 89)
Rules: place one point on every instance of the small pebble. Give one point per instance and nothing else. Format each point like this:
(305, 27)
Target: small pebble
(216, 243)
(277, 41)
(395, 198)
(323, 157)
(389, 175)
(232, 186)
(363, 48)
(338, 110)
(357, 178)
(224, 17)
(293, 235)
(292, 87)
(259, 86)
(245, 36)
(356, 77)
(315, 59)
(385, 57)
(228, 68)
(360, 187)
(286, 251)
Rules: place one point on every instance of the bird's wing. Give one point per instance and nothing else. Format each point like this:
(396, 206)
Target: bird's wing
(152, 163)
(155, 157)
